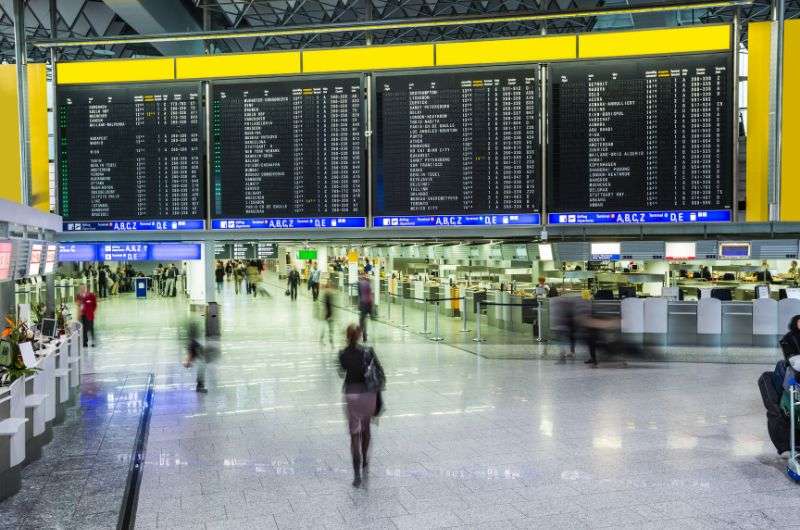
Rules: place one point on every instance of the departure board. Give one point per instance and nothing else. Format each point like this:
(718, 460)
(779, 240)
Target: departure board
(130, 157)
(642, 140)
(457, 148)
(288, 154)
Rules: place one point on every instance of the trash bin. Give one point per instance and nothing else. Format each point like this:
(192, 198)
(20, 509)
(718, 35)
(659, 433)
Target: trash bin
(140, 285)
(212, 320)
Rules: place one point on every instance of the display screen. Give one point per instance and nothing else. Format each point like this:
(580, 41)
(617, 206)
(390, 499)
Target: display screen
(679, 250)
(77, 252)
(246, 251)
(50, 261)
(288, 154)
(734, 250)
(605, 251)
(641, 140)
(457, 148)
(130, 153)
(35, 259)
(6, 254)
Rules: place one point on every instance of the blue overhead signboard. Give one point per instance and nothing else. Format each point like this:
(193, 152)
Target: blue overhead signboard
(286, 223)
(675, 217)
(457, 220)
(135, 226)
(132, 251)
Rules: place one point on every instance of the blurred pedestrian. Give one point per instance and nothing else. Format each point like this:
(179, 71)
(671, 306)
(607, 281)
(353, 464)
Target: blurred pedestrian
(292, 283)
(365, 303)
(238, 276)
(195, 356)
(253, 278)
(219, 276)
(327, 314)
(313, 281)
(87, 306)
(363, 382)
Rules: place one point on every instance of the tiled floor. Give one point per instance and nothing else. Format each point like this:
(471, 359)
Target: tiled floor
(80, 480)
(465, 440)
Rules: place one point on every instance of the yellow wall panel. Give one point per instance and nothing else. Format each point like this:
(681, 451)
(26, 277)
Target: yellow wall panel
(368, 58)
(757, 122)
(506, 50)
(9, 135)
(37, 120)
(654, 42)
(237, 65)
(116, 71)
(790, 154)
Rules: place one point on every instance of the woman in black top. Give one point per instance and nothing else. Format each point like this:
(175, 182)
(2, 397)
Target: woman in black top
(361, 403)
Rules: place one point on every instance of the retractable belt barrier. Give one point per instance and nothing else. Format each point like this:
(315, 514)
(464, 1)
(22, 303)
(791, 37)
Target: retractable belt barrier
(479, 304)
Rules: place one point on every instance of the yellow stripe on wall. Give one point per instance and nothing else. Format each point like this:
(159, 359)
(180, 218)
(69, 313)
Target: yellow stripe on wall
(790, 154)
(654, 42)
(532, 49)
(757, 122)
(368, 58)
(116, 71)
(237, 65)
(9, 135)
(37, 121)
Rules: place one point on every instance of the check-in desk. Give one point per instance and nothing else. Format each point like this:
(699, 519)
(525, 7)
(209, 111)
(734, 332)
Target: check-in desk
(30, 406)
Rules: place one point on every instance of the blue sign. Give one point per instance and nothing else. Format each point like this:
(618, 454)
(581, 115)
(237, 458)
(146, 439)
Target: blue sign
(490, 219)
(134, 226)
(77, 252)
(133, 251)
(683, 216)
(289, 223)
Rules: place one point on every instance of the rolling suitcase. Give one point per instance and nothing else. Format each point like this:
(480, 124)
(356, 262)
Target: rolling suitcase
(777, 423)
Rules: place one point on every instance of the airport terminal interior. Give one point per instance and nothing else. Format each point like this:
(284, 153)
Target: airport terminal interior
(399, 264)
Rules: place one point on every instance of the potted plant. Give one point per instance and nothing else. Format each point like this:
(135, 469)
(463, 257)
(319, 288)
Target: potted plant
(62, 318)
(11, 365)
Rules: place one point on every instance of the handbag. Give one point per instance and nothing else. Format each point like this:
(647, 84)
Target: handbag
(287, 292)
(374, 378)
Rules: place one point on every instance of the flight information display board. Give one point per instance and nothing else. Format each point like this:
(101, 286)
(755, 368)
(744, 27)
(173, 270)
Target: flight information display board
(641, 141)
(130, 157)
(457, 148)
(288, 154)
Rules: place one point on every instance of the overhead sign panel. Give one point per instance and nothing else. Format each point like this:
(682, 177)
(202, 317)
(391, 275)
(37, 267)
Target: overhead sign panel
(641, 141)
(130, 157)
(288, 154)
(457, 148)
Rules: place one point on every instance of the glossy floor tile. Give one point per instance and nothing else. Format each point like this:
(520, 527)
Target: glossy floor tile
(80, 479)
(466, 441)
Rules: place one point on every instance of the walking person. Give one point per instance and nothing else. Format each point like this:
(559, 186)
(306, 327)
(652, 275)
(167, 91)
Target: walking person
(365, 303)
(293, 282)
(253, 278)
(87, 306)
(327, 314)
(313, 281)
(102, 282)
(219, 276)
(238, 275)
(196, 356)
(363, 382)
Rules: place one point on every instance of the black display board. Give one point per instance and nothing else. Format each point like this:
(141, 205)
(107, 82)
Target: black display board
(291, 148)
(130, 152)
(246, 251)
(456, 143)
(641, 135)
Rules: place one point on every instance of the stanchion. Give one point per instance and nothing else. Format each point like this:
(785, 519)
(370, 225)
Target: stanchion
(425, 319)
(436, 336)
(478, 337)
(539, 321)
(403, 312)
(389, 307)
(464, 315)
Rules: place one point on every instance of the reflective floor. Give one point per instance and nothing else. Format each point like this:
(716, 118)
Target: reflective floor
(465, 440)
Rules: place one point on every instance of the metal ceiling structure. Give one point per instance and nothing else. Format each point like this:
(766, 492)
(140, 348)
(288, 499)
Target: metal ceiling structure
(75, 19)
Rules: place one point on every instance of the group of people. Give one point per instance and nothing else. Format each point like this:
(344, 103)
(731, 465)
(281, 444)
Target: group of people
(166, 279)
(247, 272)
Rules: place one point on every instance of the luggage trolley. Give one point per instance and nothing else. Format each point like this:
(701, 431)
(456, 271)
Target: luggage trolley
(793, 467)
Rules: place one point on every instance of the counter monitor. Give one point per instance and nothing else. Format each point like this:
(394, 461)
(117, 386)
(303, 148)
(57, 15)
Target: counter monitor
(130, 157)
(288, 154)
(6, 255)
(641, 141)
(457, 148)
(734, 250)
(680, 250)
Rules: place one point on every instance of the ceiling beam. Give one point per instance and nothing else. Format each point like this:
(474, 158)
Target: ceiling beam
(151, 17)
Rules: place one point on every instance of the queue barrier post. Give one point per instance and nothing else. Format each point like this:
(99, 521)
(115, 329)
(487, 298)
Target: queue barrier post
(478, 337)
(436, 336)
(403, 312)
(539, 321)
(425, 318)
(464, 315)
(389, 306)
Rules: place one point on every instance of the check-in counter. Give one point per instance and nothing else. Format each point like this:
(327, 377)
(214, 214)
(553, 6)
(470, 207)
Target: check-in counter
(29, 406)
